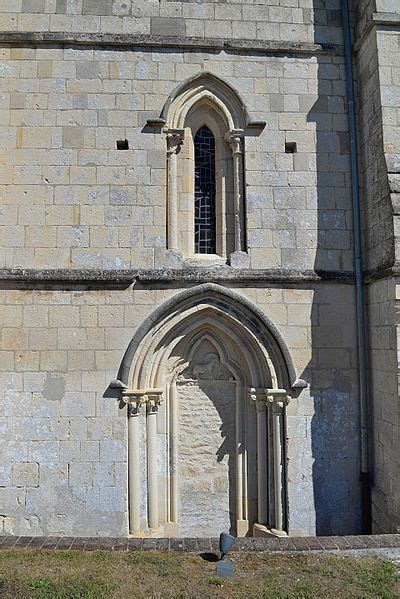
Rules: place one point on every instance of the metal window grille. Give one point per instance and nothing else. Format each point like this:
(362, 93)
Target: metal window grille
(204, 203)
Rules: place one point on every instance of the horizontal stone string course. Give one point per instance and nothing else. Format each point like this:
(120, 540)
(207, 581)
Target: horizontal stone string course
(275, 544)
(140, 41)
(186, 275)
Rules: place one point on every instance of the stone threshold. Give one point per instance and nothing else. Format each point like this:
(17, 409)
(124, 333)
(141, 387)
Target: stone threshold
(194, 545)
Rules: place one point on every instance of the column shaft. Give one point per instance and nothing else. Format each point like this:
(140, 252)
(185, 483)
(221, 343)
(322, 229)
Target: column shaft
(172, 202)
(278, 467)
(262, 479)
(235, 140)
(134, 472)
(239, 456)
(278, 400)
(152, 482)
(174, 141)
(238, 199)
(173, 453)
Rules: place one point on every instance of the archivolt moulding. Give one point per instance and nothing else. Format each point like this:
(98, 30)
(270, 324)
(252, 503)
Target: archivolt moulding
(205, 87)
(219, 302)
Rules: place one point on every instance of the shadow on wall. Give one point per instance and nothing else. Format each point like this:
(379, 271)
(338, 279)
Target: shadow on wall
(332, 371)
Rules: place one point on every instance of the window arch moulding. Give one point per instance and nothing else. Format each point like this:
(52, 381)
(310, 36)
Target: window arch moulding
(206, 101)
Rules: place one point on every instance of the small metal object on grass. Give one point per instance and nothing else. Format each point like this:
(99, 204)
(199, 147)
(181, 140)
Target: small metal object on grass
(224, 566)
(224, 569)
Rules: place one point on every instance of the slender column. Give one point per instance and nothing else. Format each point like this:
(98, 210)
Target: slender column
(258, 398)
(153, 400)
(235, 139)
(134, 402)
(239, 455)
(174, 141)
(173, 452)
(278, 400)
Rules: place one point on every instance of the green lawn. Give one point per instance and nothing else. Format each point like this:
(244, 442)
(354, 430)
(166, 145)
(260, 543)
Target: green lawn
(73, 575)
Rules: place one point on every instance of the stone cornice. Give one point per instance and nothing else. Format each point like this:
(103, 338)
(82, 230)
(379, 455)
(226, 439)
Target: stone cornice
(129, 41)
(382, 273)
(185, 275)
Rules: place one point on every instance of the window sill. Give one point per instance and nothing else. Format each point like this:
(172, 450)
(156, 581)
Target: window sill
(205, 260)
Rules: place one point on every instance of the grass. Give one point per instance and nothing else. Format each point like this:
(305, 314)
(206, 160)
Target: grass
(77, 575)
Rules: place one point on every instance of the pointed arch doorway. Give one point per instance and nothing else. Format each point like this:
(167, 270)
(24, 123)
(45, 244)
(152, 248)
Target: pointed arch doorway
(208, 378)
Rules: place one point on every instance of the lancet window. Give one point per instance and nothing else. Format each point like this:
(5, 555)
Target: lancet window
(204, 200)
(205, 124)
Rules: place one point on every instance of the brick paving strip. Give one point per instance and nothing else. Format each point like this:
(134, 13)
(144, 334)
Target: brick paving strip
(195, 545)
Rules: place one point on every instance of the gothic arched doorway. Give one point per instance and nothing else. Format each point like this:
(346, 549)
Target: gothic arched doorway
(207, 380)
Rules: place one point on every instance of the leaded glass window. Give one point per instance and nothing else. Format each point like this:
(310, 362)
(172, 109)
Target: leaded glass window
(204, 202)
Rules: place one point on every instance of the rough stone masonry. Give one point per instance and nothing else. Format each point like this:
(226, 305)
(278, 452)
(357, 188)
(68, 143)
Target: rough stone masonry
(152, 390)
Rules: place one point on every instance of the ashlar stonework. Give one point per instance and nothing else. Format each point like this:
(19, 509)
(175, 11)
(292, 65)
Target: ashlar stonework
(155, 386)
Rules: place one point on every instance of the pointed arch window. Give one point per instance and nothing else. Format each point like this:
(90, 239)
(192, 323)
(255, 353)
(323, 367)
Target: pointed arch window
(205, 122)
(205, 192)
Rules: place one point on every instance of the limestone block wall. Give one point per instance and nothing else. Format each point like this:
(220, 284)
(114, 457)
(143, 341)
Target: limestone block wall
(378, 101)
(377, 210)
(378, 58)
(63, 445)
(309, 20)
(384, 351)
(388, 6)
(388, 48)
(64, 437)
(69, 198)
(363, 11)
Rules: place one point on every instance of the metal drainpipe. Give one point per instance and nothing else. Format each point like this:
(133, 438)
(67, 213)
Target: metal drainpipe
(362, 370)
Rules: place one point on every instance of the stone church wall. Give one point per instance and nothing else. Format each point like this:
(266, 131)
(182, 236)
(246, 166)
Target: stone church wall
(309, 20)
(70, 200)
(384, 350)
(64, 438)
(379, 139)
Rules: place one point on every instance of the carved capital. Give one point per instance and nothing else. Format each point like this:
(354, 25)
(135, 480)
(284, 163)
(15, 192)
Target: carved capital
(175, 139)
(153, 401)
(235, 138)
(134, 399)
(258, 399)
(277, 399)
